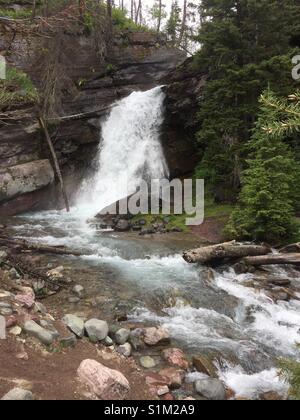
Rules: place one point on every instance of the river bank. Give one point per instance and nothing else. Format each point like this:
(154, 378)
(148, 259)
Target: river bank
(220, 323)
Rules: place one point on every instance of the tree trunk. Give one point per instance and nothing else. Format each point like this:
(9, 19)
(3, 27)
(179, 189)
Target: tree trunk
(183, 24)
(33, 15)
(55, 160)
(159, 15)
(276, 259)
(220, 252)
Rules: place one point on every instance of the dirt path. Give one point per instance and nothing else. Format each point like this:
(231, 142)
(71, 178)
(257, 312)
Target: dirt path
(53, 376)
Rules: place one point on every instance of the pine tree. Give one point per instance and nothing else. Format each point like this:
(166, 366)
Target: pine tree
(245, 49)
(174, 22)
(269, 184)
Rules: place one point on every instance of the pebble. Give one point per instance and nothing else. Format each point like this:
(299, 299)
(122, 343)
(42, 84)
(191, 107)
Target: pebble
(147, 362)
(79, 291)
(73, 299)
(15, 330)
(163, 390)
(6, 311)
(3, 256)
(108, 342)
(69, 341)
(14, 274)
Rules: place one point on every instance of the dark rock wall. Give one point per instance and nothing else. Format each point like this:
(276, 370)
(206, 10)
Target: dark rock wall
(137, 61)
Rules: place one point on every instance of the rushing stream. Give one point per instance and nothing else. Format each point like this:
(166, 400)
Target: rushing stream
(206, 311)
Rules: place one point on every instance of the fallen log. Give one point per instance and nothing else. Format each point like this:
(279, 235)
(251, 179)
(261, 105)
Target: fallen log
(228, 250)
(38, 247)
(273, 259)
(292, 248)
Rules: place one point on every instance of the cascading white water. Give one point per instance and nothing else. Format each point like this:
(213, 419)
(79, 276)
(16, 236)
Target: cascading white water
(130, 149)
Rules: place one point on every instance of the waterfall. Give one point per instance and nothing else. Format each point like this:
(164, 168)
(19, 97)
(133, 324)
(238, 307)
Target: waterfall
(130, 149)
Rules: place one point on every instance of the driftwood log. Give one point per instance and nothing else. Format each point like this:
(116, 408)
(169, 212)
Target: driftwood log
(228, 250)
(273, 259)
(292, 248)
(37, 247)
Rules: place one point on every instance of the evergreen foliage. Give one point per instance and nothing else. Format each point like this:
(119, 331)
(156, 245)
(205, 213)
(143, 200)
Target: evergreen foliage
(270, 189)
(245, 49)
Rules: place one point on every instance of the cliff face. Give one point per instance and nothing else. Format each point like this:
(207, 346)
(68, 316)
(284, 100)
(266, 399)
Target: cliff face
(138, 61)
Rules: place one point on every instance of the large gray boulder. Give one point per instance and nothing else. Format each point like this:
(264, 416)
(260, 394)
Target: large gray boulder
(36, 331)
(25, 178)
(75, 324)
(210, 388)
(96, 329)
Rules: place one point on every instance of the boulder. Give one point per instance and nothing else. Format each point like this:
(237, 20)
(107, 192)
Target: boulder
(204, 365)
(136, 339)
(122, 226)
(25, 178)
(125, 349)
(121, 336)
(210, 388)
(18, 394)
(36, 331)
(96, 329)
(75, 324)
(156, 336)
(175, 357)
(104, 383)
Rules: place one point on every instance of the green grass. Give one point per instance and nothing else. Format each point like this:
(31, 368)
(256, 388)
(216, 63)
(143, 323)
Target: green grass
(15, 14)
(175, 221)
(17, 89)
(217, 210)
(212, 210)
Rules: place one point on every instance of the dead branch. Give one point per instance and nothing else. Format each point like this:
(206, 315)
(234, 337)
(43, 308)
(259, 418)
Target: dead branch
(55, 160)
(40, 248)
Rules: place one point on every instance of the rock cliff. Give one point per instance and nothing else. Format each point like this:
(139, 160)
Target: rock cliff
(137, 61)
